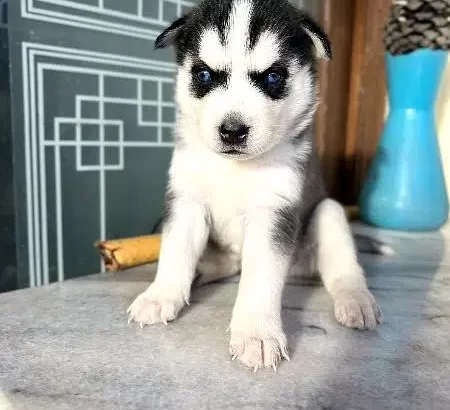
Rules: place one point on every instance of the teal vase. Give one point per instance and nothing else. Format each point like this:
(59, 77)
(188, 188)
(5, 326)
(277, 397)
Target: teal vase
(405, 187)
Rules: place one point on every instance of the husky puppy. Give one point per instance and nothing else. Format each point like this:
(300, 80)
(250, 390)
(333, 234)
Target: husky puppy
(245, 192)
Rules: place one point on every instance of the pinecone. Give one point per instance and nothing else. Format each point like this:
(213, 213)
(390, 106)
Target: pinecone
(415, 24)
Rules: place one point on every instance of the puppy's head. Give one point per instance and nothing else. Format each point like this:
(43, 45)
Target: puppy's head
(246, 79)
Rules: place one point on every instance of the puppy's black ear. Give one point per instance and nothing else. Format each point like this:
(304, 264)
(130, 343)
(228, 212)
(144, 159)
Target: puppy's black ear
(169, 36)
(320, 40)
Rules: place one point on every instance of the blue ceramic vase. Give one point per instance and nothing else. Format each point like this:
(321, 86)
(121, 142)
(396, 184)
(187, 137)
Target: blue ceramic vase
(405, 188)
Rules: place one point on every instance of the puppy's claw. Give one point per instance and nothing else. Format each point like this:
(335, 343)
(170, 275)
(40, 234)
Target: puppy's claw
(233, 357)
(274, 368)
(165, 322)
(141, 325)
(130, 319)
(256, 369)
(285, 354)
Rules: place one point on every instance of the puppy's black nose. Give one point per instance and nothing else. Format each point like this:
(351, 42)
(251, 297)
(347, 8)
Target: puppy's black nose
(233, 131)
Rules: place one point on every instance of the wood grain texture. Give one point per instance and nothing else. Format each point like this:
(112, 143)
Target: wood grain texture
(367, 96)
(353, 93)
(331, 123)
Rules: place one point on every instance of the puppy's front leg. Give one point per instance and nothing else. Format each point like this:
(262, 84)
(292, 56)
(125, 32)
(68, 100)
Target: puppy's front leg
(257, 337)
(184, 238)
(340, 270)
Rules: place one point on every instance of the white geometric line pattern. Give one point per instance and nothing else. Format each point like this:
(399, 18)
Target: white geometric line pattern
(66, 60)
(106, 16)
(78, 122)
(80, 144)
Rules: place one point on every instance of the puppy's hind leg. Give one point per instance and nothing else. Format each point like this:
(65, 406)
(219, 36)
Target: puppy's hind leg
(337, 263)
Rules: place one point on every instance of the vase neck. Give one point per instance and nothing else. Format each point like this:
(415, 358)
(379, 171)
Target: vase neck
(414, 79)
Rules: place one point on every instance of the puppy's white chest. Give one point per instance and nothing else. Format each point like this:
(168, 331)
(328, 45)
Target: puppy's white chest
(229, 203)
(232, 192)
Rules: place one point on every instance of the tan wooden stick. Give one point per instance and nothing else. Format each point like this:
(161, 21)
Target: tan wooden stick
(120, 254)
(126, 253)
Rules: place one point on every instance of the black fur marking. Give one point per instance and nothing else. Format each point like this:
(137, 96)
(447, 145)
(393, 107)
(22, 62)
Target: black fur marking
(313, 191)
(310, 108)
(287, 22)
(215, 245)
(277, 16)
(315, 29)
(285, 228)
(292, 221)
(218, 79)
(214, 13)
(169, 36)
(275, 92)
(208, 14)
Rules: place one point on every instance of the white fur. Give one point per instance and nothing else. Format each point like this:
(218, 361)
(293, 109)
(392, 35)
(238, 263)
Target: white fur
(185, 237)
(270, 121)
(236, 202)
(341, 273)
(320, 49)
(234, 54)
(240, 59)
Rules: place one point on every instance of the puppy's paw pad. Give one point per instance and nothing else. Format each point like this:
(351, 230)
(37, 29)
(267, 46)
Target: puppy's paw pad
(358, 310)
(259, 353)
(148, 310)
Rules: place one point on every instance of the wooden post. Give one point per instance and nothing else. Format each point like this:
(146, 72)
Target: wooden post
(353, 96)
(337, 20)
(367, 97)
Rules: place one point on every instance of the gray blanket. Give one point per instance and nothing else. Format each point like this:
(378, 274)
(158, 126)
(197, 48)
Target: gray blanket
(68, 346)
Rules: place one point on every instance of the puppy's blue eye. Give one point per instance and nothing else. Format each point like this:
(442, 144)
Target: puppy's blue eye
(273, 79)
(204, 76)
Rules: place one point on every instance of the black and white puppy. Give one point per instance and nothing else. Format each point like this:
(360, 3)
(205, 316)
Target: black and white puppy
(245, 192)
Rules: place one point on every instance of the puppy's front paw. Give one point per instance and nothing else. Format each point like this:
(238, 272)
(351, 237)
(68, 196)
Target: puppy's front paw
(258, 343)
(357, 309)
(153, 306)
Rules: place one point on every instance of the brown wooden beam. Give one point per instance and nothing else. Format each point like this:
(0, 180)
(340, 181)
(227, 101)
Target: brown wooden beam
(337, 20)
(367, 96)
